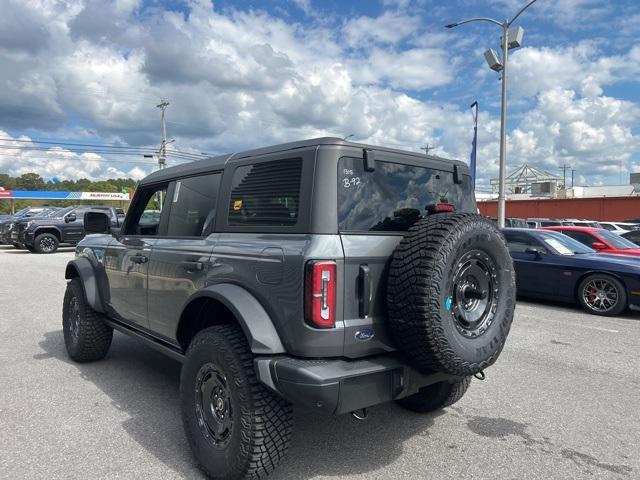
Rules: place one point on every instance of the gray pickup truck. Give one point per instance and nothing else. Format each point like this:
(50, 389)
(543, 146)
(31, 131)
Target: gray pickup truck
(65, 226)
(324, 274)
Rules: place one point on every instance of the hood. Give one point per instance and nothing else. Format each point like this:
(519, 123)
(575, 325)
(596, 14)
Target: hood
(603, 260)
(628, 251)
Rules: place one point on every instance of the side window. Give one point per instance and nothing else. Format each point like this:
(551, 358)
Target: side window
(519, 242)
(266, 194)
(145, 211)
(582, 237)
(608, 226)
(193, 205)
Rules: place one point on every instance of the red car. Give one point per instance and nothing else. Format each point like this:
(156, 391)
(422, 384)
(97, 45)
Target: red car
(600, 239)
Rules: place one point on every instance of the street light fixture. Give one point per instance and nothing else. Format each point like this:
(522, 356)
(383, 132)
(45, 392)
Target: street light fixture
(511, 38)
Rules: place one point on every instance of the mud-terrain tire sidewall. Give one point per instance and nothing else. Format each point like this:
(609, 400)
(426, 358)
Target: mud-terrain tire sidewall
(420, 282)
(261, 422)
(622, 295)
(436, 396)
(50, 239)
(87, 337)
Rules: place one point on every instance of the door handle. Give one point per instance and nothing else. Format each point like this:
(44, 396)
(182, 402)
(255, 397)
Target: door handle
(139, 259)
(192, 266)
(364, 301)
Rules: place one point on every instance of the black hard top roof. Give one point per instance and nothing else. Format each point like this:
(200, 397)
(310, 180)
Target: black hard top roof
(218, 162)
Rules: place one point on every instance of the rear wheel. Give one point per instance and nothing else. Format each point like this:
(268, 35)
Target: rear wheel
(436, 396)
(602, 295)
(235, 426)
(46, 243)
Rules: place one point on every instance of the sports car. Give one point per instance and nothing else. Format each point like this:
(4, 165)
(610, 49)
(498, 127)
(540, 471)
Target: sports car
(553, 266)
(600, 239)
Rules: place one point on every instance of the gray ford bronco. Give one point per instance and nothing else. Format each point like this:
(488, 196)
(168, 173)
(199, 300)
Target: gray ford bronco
(324, 274)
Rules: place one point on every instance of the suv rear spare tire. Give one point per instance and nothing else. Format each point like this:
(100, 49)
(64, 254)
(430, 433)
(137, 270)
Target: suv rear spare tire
(451, 293)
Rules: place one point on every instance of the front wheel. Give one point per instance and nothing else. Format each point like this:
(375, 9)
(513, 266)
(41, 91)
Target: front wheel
(46, 243)
(602, 295)
(235, 426)
(86, 335)
(436, 396)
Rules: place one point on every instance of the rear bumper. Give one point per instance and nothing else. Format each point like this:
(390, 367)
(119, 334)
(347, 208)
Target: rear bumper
(342, 386)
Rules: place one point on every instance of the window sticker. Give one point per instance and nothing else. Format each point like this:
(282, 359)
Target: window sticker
(237, 204)
(558, 246)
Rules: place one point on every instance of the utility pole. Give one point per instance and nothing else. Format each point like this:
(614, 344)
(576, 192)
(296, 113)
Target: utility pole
(572, 172)
(162, 152)
(426, 149)
(564, 169)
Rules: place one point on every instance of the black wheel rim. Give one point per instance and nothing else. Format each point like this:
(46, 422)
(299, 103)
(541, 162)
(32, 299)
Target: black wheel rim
(74, 318)
(214, 411)
(47, 244)
(473, 296)
(600, 295)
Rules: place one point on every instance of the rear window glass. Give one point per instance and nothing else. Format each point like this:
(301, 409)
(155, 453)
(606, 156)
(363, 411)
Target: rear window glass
(394, 196)
(266, 194)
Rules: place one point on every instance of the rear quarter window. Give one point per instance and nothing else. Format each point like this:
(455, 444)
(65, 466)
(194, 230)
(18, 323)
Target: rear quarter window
(266, 194)
(394, 196)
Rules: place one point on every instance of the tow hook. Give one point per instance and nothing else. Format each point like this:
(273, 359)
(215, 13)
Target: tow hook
(360, 414)
(480, 375)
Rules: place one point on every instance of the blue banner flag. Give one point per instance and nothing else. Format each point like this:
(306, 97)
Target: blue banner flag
(474, 143)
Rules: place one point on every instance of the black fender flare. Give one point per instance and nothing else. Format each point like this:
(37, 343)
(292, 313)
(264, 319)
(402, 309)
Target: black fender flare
(39, 228)
(83, 269)
(251, 315)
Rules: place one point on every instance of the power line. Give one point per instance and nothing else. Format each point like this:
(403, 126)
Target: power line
(95, 145)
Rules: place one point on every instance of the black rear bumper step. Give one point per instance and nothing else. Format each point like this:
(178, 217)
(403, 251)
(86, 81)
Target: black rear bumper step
(342, 386)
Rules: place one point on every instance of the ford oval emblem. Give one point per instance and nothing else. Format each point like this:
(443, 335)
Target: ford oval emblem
(364, 334)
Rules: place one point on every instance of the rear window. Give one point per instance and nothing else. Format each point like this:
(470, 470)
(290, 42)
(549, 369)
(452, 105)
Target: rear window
(394, 196)
(266, 194)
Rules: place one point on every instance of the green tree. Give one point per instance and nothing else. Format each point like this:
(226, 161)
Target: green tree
(7, 182)
(103, 186)
(30, 181)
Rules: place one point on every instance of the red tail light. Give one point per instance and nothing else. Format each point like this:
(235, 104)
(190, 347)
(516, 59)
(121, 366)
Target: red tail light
(320, 294)
(441, 208)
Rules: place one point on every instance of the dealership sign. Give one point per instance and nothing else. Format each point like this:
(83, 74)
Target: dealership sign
(53, 195)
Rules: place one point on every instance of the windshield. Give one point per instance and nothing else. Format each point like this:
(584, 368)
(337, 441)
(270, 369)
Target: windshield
(62, 212)
(616, 240)
(563, 245)
(394, 196)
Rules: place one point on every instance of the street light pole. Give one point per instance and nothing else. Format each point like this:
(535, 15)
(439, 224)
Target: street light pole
(502, 171)
(500, 67)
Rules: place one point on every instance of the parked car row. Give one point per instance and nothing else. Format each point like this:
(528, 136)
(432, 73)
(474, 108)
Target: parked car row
(43, 230)
(593, 267)
(619, 228)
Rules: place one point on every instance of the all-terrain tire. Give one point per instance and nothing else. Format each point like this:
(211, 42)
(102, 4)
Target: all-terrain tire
(605, 282)
(436, 396)
(258, 429)
(46, 243)
(428, 295)
(86, 335)
(30, 248)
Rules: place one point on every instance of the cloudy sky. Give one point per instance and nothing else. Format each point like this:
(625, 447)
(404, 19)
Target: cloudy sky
(253, 73)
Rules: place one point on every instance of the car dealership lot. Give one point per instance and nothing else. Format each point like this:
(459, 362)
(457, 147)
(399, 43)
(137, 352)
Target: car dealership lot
(562, 402)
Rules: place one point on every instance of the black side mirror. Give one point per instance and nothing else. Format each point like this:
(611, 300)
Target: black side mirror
(533, 251)
(97, 222)
(70, 218)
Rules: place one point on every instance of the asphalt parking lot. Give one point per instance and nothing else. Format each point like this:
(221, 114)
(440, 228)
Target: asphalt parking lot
(562, 402)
